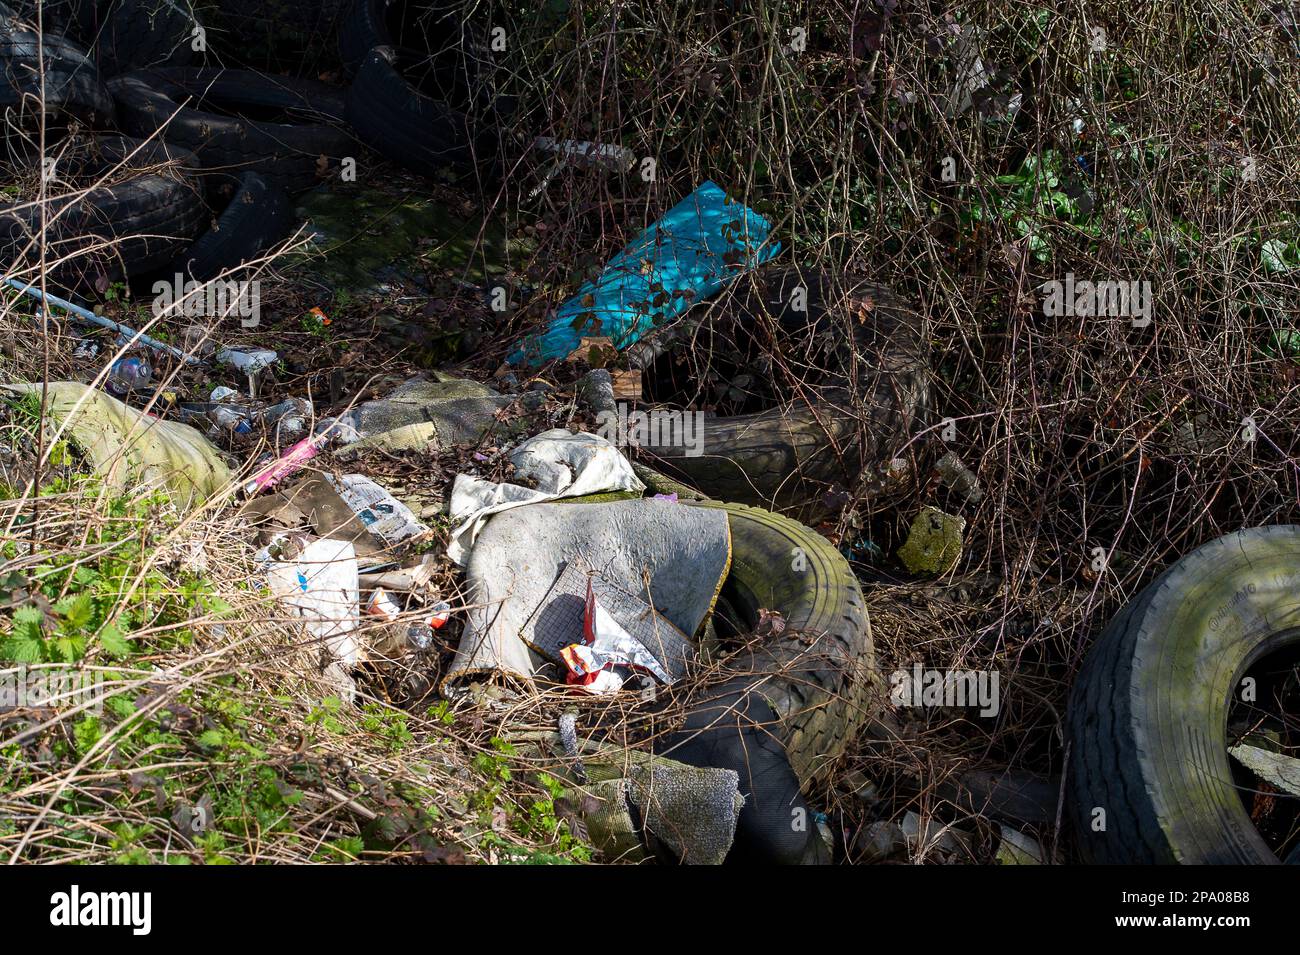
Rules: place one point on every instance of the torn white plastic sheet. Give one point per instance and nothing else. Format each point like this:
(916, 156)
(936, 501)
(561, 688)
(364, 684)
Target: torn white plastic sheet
(250, 362)
(608, 649)
(580, 152)
(321, 584)
(384, 515)
(563, 464)
(620, 633)
(972, 75)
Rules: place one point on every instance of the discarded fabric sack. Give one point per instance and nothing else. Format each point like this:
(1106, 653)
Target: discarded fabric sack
(692, 811)
(522, 608)
(562, 463)
(130, 449)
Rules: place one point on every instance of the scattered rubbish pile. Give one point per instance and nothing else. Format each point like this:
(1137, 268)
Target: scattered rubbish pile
(571, 530)
(578, 570)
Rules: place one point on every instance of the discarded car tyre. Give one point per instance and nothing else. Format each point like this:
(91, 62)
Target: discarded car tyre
(258, 216)
(142, 208)
(868, 383)
(800, 694)
(71, 84)
(298, 36)
(1150, 777)
(237, 120)
(411, 119)
(138, 34)
(364, 28)
(400, 24)
(123, 35)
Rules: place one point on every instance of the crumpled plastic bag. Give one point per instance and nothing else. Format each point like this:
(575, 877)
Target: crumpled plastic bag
(321, 584)
(622, 633)
(699, 245)
(563, 464)
(421, 413)
(130, 449)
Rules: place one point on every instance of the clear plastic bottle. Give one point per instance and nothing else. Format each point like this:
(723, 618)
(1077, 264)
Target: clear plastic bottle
(129, 373)
(231, 418)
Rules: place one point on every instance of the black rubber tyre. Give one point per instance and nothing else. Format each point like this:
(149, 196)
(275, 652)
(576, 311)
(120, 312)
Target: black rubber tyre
(73, 19)
(294, 36)
(149, 215)
(421, 131)
(1148, 711)
(214, 113)
(258, 216)
(140, 34)
(870, 382)
(364, 28)
(435, 30)
(72, 86)
(800, 695)
(124, 35)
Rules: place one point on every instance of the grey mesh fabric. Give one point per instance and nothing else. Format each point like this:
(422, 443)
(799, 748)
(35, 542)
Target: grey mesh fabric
(691, 810)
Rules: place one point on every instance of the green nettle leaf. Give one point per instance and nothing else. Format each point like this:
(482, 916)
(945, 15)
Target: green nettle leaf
(85, 575)
(22, 647)
(86, 733)
(69, 649)
(212, 739)
(114, 641)
(26, 644)
(29, 618)
(77, 612)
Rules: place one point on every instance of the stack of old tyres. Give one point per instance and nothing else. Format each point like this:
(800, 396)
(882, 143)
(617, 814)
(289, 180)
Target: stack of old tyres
(119, 208)
(422, 93)
(289, 131)
(123, 35)
(44, 74)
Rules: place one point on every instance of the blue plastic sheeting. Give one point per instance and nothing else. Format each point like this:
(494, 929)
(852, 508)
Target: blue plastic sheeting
(700, 245)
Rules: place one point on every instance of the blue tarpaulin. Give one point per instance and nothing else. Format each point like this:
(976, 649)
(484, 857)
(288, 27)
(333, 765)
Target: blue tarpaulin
(700, 245)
